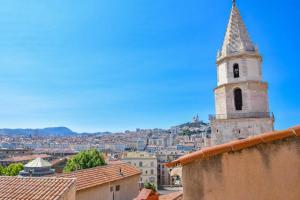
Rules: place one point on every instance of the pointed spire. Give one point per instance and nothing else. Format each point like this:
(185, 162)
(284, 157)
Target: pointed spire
(236, 39)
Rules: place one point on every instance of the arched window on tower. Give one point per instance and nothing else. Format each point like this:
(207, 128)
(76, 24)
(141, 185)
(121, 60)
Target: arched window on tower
(236, 70)
(238, 99)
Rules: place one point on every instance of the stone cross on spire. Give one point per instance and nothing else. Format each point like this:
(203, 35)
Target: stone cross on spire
(233, 2)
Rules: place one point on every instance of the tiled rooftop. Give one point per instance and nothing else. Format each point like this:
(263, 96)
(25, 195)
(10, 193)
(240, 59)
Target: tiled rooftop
(144, 194)
(172, 196)
(100, 175)
(236, 146)
(20, 188)
(25, 158)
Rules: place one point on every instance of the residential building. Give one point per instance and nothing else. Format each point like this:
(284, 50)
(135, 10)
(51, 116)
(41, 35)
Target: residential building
(164, 178)
(118, 181)
(241, 97)
(7, 153)
(146, 162)
(37, 188)
(24, 159)
(264, 166)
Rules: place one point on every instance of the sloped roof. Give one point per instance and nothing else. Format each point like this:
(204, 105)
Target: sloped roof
(100, 175)
(236, 145)
(236, 38)
(34, 188)
(144, 194)
(172, 196)
(38, 162)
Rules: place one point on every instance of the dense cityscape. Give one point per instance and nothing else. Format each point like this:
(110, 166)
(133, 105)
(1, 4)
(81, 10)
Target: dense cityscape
(164, 145)
(237, 155)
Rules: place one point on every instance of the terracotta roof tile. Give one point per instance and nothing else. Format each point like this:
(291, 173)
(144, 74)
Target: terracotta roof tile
(172, 196)
(100, 175)
(236, 146)
(144, 194)
(21, 188)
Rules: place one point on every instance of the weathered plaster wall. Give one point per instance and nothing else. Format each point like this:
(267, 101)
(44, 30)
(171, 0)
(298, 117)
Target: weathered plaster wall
(70, 194)
(265, 172)
(129, 189)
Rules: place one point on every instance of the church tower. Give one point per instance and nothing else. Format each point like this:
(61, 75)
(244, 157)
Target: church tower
(241, 97)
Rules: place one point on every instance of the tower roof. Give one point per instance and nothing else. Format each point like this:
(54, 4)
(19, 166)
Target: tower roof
(236, 39)
(38, 162)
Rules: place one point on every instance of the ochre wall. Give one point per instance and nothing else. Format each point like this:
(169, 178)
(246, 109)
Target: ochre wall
(129, 189)
(264, 172)
(70, 194)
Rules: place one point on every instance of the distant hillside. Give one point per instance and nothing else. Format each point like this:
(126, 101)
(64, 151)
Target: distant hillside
(52, 131)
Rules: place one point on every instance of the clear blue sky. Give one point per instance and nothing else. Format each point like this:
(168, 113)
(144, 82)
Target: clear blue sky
(97, 65)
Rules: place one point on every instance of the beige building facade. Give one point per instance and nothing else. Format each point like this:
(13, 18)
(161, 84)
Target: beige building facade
(146, 162)
(241, 96)
(119, 181)
(124, 189)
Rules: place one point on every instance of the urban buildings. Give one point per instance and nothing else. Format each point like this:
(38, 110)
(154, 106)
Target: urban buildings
(146, 162)
(23, 159)
(164, 178)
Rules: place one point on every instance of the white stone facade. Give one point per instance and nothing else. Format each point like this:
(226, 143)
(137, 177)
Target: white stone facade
(241, 97)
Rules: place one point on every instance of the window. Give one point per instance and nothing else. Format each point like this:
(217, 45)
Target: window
(236, 71)
(238, 99)
(152, 171)
(152, 164)
(140, 164)
(117, 187)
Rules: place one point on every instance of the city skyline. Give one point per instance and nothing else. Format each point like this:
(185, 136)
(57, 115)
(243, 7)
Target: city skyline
(115, 66)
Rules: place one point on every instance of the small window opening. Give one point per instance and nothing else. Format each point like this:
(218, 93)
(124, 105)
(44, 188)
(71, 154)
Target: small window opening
(236, 71)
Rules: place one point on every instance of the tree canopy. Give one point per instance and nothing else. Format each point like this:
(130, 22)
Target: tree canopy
(84, 160)
(11, 170)
(150, 186)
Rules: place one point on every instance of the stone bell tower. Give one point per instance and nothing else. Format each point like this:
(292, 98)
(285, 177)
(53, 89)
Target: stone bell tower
(241, 97)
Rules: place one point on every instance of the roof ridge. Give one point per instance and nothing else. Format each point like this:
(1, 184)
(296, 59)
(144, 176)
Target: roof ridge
(236, 145)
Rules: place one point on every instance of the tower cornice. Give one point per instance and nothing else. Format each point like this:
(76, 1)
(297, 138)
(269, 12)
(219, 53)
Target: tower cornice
(248, 82)
(239, 55)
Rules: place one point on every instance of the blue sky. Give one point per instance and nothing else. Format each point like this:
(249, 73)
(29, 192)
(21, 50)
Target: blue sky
(98, 65)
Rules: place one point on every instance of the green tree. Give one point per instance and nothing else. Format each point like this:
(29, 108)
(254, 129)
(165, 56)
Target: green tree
(13, 169)
(84, 160)
(1, 170)
(150, 186)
